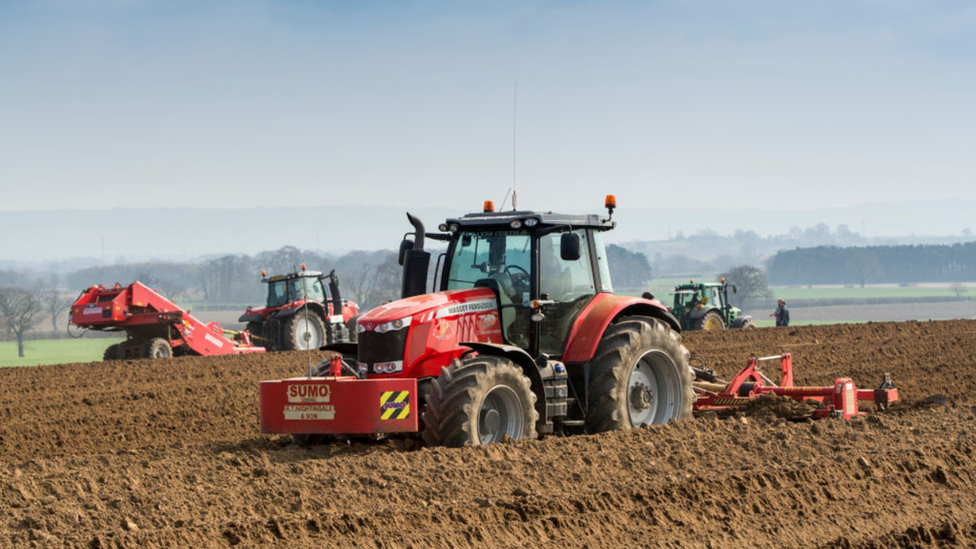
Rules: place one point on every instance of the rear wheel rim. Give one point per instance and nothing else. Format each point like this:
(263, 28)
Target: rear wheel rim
(161, 352)
(654, 390)
(307, 326)
(500, 415)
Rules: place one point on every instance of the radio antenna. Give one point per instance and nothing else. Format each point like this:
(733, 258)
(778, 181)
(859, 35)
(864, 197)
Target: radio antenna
(514, 135)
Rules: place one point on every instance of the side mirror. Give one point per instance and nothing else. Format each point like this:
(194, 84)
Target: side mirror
(734, 290)
(405, 245)
(569, 246)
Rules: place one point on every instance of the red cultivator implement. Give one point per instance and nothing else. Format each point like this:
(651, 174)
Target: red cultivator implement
(839, 400)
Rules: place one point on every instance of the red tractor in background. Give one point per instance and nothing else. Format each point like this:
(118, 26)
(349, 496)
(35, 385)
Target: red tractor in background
(524, 336)
(299, 316)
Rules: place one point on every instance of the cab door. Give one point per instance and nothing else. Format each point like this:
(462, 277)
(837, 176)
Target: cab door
(569, 284)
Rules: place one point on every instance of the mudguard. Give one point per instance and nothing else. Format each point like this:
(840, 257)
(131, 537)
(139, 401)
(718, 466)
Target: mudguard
(603, 309)
(291, 311)
(740, 320)
(695, 314)
(251, 317)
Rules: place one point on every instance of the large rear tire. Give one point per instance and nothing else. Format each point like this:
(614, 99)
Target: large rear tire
(711, 320)
(478, 401)
(112, 352)
(156, 347)
(640, 376)
(299, 325)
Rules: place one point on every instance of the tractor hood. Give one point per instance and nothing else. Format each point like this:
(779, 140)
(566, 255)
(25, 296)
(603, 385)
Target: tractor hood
(446, 303)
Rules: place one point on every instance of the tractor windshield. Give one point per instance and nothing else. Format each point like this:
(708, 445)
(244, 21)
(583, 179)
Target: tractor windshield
(282, 292)
(503, 256)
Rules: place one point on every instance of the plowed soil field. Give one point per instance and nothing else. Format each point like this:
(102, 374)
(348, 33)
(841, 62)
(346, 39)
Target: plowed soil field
(167, 454)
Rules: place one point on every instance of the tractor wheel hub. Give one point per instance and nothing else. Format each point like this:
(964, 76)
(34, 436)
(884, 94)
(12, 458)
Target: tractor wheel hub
(641, 397)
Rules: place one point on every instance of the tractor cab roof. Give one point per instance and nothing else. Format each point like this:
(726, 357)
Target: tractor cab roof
(289, 276)
(688, 287)
(519, 219)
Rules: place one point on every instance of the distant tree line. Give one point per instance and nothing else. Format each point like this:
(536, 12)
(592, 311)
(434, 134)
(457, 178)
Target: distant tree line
(628, 269)
(874, 264)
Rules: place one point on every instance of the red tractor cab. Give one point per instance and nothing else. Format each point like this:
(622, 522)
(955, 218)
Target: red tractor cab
(522, 335)
(299, 315)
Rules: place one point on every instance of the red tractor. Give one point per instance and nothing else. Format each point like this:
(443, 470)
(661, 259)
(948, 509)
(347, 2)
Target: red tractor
(298, 316)
(523, 337)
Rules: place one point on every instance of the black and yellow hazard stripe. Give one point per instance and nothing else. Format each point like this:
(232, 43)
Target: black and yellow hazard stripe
(395, 405)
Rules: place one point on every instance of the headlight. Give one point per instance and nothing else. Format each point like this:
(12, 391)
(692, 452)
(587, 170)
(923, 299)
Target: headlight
(531, 222)
(393, 325)
(388, 367)
(360, 328)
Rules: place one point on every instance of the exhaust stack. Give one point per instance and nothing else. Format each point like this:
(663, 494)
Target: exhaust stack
(416, 262)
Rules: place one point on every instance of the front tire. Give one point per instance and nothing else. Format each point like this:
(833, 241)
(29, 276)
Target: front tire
(297, 326)
(711, 320)
(156, 347)
(640, 376)
(479, 401)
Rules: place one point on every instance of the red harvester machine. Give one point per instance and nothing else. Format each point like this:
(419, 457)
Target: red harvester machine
(155, 326)
(839, 400)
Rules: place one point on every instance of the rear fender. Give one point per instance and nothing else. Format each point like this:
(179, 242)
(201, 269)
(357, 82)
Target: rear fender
(312, 306)
(698, 313)
(600, 313)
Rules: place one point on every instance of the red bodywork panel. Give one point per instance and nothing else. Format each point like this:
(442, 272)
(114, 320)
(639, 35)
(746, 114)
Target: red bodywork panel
(439, 323)
(137, 307)
(839, 400)
(589, 326)
(339, 405)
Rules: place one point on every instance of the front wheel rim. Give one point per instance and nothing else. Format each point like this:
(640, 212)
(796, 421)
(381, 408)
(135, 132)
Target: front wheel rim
(308, 328)
(500, 415)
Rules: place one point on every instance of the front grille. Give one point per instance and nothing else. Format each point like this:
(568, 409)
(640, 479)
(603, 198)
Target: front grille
(376, 347)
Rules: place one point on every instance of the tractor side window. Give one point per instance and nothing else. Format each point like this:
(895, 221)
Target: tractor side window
(716, 297)
(277, 294)
(602, 263)
(565, 280)
(569, 283)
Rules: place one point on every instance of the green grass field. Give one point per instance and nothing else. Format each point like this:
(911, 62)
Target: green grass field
(857, 292)
(54, 351)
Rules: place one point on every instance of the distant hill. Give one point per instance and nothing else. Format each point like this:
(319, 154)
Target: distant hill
(66, 239)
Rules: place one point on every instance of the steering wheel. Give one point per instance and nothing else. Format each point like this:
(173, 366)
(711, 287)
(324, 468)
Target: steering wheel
(520, 278)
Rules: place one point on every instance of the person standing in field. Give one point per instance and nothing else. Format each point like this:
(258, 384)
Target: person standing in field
(781, 313)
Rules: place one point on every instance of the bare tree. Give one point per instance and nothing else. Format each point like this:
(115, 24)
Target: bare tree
(959, 289)
(54, 303)
(750, 282)
(18, 307)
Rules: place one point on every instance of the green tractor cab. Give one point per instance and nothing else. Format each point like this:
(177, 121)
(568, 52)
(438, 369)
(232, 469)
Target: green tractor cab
(705, 306)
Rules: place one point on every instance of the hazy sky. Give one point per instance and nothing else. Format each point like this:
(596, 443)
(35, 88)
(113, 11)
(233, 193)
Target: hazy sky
(238, 103)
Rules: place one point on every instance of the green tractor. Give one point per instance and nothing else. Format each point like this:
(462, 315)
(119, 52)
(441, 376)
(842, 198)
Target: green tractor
(705, 306)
